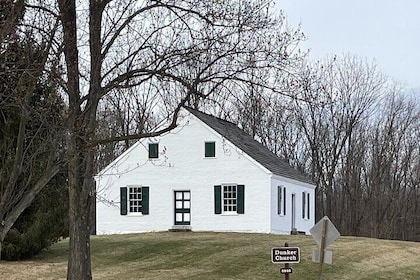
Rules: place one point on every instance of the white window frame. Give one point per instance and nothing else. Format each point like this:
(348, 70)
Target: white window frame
(281, 200)
(134, 200)
(230, 199)
(306, 205)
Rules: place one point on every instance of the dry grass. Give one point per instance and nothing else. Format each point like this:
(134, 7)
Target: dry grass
(223, 256)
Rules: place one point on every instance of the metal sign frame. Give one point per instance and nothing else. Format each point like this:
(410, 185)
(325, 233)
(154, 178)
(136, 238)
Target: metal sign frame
(285, 255)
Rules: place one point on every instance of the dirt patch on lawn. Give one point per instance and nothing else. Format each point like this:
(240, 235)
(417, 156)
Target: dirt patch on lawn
(373, 255)
(32, 270)
(223, 256)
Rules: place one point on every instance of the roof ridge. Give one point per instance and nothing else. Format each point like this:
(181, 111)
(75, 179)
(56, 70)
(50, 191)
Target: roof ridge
(209, 115)
(253, 148)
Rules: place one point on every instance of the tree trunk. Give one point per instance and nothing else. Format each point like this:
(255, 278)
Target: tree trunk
(79, 266)
(81, 165)
(80, 156)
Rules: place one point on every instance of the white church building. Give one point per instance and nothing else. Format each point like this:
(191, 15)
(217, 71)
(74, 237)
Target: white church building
(205, 175)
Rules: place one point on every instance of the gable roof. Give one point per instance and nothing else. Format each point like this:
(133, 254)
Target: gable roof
(251, 147)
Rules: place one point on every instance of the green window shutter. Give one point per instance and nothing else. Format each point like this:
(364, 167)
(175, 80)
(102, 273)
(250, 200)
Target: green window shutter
(123, 201)
(217, 199)
(153, 150)
(145, 200)
(241, 200)
(210, 149)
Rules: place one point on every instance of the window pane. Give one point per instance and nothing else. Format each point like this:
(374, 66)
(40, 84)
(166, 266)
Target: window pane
(308, 210)
(284, 201)
(303, 205)
(153, 150)
(279, 200)
(210, 149)
(178, 205)
(135, 199)
(229, 198)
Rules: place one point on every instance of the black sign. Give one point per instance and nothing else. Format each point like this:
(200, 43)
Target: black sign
(286, 270)
(285, 255)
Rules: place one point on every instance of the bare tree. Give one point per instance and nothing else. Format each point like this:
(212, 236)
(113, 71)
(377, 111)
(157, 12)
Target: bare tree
(11, 13)
(392, 173)
(355, 133)
(179, 52)
(337, 96)
(124, 114)
(362, 135)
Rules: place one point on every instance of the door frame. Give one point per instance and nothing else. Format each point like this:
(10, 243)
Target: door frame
(185, 209)
(293, 213)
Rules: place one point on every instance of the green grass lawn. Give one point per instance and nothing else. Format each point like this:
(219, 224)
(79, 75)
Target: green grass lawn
(193, 255)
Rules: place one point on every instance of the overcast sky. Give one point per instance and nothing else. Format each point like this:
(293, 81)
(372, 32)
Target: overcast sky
(387, 31)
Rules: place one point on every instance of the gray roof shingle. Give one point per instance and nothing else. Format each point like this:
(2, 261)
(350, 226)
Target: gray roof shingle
(251, 147)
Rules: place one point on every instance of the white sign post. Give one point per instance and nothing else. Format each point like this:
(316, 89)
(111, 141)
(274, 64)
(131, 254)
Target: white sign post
(324, 233)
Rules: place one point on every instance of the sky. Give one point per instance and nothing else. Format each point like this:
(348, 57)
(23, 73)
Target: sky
(384, 31)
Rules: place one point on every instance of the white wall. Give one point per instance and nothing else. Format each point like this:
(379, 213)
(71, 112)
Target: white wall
(182, 166)
(283, 223)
